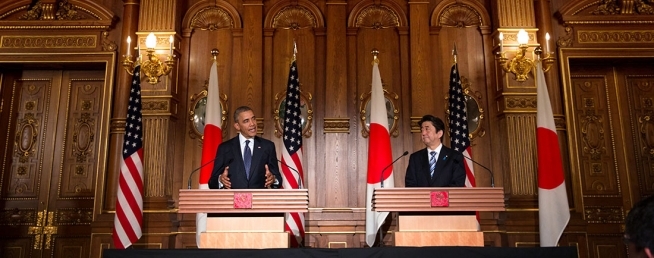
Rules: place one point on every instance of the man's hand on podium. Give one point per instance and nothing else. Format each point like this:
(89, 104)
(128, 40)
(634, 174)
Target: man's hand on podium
(269, 178)
(224, 179)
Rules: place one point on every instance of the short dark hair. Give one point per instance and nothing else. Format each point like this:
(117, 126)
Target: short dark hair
(435, 121)
(240, 110)
(639, 225)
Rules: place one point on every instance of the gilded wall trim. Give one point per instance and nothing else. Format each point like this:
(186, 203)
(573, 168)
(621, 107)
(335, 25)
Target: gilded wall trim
(604, 214)
(521, 148)
(415, 127)
(212, 18)
(460, 16)
(336, 125)
(294, 17)
(377, 17)
(67, 41)
(615, 36)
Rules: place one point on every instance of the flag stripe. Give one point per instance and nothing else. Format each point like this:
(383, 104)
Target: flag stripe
(128, 220)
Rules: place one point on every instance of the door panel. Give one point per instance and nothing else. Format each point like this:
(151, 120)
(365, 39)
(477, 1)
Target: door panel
(611, 106)
(49, 161)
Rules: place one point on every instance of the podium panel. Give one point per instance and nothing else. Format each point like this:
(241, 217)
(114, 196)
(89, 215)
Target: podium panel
(245, 240)
(246, 218)
(442, 238)
(433, 222)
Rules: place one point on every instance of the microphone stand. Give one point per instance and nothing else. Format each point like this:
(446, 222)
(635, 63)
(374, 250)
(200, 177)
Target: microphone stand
(492, 177)
(299, 180)
(381, 177)
(381, 184)
(195, 170)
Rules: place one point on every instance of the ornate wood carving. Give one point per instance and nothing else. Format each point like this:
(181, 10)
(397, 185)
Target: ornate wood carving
(18, 217)
(336, 125)
(460, 16)
(294, 17)
(58, 41)
(305, 106)
(614, 7)
(592, 134)
(520, 102)
(74, 216)
(212, 18)
(377, 17)
(604, 214)
(615, 36)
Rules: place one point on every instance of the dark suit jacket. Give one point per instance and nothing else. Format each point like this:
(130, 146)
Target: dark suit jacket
(449, 169)
(229, 154)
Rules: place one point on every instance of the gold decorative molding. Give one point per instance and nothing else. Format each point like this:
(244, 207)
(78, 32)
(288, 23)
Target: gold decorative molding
(592, 134)
(197, 112)
(212, 18)
(117, 125)
(646, 126)
(565, 41)
(615, 36)
(83, 137)
(377, 17)
(74, 216)
(460, 16)
(415, 127)
(43, 230)
(155, 105)
(18, 217)
(26, 137)
(336, 125)
(521, 102)
(294, 17)
(604, 214)
(107, 44)
(614, 7)
(260, 125)
(63, 41)
(392, 112)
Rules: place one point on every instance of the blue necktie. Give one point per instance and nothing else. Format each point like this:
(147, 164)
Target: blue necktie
(432, 163)
(247, 158)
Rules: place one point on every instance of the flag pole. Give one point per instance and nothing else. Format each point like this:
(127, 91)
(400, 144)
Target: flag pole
(454, 53)
(214, 53)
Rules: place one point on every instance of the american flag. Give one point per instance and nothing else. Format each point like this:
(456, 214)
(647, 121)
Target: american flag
(129, 200)
(459, 139)
(292, 153)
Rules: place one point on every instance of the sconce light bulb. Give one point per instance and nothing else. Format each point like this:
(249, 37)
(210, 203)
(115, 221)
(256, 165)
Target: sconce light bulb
(501, 36)
(151, 41)
(129, 39)
(547, 36)
(171, 39)
(523, 37)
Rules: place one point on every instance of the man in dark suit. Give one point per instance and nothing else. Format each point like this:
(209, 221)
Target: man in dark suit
(246, 150)
(435, 165)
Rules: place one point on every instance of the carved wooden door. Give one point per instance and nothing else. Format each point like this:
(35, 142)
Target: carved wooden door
(613, 136)
(50, 126)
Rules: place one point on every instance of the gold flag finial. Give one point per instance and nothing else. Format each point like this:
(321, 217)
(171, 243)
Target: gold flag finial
(454, 52)
(375, 53)
(214, 53)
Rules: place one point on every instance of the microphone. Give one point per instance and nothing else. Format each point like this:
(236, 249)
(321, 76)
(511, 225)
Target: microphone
(381, 177)
(492, 178)
(203, 165)
(299, 179)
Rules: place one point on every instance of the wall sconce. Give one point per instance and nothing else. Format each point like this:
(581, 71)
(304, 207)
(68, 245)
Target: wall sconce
(521, 65)
(152, 67)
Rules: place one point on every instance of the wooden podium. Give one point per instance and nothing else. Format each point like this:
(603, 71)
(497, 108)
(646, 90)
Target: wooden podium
(428, 221)
(244, 218)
